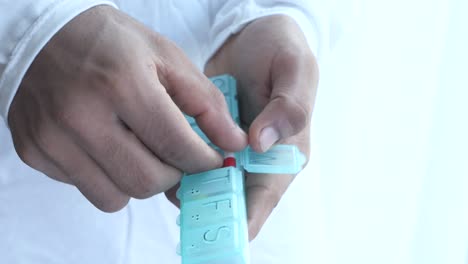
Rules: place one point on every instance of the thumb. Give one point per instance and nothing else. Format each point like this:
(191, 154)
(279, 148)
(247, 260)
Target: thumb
(282, 117)
(290, 106)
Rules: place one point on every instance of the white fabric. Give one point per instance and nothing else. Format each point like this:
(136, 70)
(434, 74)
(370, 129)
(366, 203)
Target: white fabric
(199, 28)
(25, 27)
(388, 177)
(43, 221)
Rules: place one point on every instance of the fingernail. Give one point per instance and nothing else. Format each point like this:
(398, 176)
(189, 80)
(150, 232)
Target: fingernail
(268, 137)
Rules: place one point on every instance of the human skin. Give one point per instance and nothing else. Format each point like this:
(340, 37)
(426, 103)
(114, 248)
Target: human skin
(277, 78)
(101, 108)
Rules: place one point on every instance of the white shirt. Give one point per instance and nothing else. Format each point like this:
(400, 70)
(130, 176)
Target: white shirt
(43, 221)
(386, 183)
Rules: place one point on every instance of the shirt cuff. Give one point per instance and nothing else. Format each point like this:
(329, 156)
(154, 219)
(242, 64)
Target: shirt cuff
(37, 36)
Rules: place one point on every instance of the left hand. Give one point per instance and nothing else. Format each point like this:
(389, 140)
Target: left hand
(277, 78)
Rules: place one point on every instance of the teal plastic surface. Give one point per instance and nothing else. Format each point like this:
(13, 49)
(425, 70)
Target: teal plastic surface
(284, 159)
(213, 215)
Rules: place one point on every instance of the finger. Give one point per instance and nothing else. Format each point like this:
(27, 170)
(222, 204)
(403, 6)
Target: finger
(289, 109)
(39, 160)
(129, 163)
(263, 193)
(28, 150)
(198, 97)
(154, 118)
(80, 168)
(73, 165)
(29, 153)
(124, 159)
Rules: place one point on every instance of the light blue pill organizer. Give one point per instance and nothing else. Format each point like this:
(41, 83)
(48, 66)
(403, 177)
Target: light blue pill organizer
(213, 215)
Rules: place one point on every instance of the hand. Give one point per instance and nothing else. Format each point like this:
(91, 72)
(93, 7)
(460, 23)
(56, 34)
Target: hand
(277, 79)
(100, 108)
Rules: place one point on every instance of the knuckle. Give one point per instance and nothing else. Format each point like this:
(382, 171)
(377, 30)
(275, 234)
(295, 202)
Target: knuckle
(66, 115)
(170, 49)
(298, 58)
(152, 183)
(298, 112)
(290, 57)
(216, 104)
(113, 203)
(216, 94)
(137, 177)
(218, 98)
(43, 138)
(25, 153)
(146, 185)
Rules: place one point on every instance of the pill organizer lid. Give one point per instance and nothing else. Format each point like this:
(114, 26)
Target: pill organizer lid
(279, 159)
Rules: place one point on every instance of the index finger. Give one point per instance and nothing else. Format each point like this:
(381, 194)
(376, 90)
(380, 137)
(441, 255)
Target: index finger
(159, 124)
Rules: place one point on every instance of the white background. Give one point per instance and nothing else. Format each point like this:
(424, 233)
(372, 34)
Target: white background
(388, 179)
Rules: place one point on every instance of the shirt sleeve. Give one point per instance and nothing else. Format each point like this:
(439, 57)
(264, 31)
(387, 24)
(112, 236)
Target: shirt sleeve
(312, 16)
(25, 28)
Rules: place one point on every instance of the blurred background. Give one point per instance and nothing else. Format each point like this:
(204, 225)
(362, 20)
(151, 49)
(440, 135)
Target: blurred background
(388, 178)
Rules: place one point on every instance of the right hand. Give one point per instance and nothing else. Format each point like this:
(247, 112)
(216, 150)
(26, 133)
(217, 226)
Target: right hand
(101, 108)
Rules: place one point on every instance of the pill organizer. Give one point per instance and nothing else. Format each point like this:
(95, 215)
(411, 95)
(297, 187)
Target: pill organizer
(213, 215)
